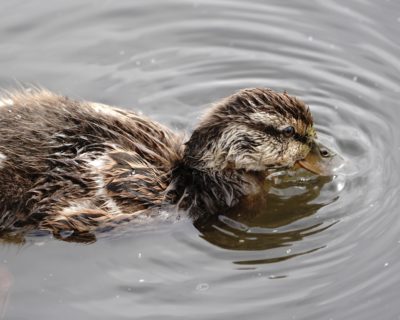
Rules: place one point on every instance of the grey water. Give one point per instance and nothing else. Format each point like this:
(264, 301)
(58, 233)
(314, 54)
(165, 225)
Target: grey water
(320, 250)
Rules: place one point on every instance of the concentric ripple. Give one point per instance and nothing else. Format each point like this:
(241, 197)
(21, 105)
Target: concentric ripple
(321, 248)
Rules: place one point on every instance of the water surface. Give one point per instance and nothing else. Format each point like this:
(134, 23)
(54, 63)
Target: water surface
(321, 250)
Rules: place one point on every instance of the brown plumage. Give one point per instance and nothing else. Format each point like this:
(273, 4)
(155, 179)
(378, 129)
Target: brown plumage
(80, 166)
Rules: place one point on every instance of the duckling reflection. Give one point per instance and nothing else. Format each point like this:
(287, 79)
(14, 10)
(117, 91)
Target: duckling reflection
(76, 168)
(273, 219)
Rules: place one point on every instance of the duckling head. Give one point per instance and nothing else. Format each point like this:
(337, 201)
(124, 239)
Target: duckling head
(255, 130)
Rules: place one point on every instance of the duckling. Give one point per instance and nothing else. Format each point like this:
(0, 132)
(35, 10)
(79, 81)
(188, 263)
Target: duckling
(68, 165)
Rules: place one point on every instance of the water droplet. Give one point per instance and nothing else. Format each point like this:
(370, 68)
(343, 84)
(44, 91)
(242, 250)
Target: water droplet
(66, 233)
(310, 38)
(355, 78)
(340, 184)
(141, 280)
(288, 251)
(386, 264)
(153, 61)
(279, 276)
(202, 286)
(139, 255)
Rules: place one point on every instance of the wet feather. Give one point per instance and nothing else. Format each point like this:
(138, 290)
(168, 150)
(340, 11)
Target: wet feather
(80, 166)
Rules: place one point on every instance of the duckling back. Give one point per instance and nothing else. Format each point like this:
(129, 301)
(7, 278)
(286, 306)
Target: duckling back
(66, 164)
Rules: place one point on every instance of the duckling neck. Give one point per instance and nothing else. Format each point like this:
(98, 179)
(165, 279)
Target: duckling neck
(204, 192)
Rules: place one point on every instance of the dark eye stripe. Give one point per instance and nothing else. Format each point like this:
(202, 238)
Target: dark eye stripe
(300, 138)
(272, 131)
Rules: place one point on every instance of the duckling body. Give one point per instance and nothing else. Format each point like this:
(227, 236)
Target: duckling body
(76, 165)
(70, 165)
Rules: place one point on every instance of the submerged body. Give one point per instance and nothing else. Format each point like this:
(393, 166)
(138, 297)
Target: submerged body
(70, 165)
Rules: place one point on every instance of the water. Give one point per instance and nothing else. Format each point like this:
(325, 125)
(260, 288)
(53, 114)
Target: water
(330, 251)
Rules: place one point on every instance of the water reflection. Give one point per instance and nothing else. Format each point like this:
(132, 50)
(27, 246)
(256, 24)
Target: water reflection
(274, 219)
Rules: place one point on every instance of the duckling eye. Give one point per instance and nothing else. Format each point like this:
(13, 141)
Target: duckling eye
(325, 153)
(288, 131)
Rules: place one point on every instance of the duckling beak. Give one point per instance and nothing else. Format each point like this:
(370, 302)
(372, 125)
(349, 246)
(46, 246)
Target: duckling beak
(321, 160)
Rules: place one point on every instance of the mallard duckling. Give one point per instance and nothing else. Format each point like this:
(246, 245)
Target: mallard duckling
(78, 166)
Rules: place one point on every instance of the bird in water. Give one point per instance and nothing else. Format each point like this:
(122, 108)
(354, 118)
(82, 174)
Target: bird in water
(68, 165)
